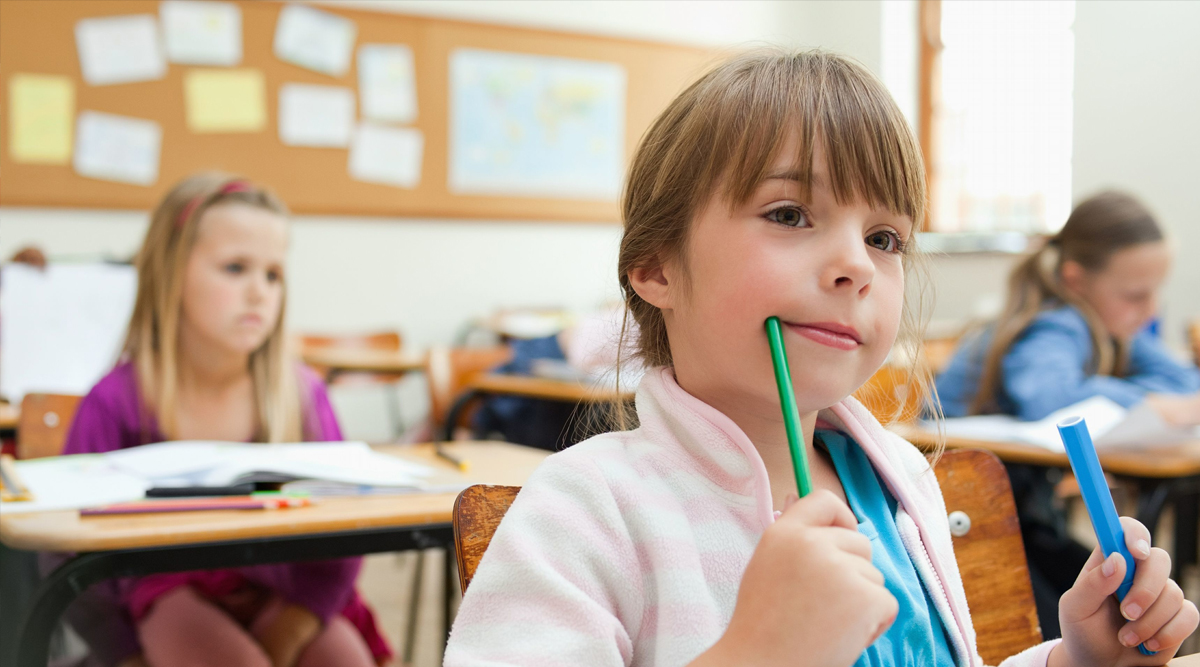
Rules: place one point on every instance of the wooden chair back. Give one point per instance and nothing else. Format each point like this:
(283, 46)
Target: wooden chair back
(990, 554)
(1194, 339)
(387, 341)
(447, 370)
(44, 423)
(891, 395)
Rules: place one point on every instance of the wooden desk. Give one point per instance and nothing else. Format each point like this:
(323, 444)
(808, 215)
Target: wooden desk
(1161, 474)
(364, 360)
(491, 384)
(120, 546)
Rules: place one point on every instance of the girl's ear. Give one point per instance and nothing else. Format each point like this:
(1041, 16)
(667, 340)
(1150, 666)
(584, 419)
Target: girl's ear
(1073, 275)
(652, 284)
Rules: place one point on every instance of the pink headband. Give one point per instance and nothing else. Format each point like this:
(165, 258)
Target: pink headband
(229, 188)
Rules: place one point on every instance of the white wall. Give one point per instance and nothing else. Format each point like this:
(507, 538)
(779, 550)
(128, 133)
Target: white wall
(1137, 123)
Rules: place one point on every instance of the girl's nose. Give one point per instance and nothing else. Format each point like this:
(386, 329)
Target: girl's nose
(848, 265)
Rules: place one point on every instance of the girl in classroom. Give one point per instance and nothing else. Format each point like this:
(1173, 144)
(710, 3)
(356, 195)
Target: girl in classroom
(1074, 326)
(204, 359)
(789, 185)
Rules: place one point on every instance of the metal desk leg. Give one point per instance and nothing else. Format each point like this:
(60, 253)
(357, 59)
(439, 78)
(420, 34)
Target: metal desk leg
(456, 412)
(1187, 524)
(1153, 495)
(63, 585)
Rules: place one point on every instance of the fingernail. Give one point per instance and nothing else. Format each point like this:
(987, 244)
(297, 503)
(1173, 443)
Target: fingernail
(1132, 611)
(1110, 566)
(1129, 638)
(1152, 644)
(1142, 547)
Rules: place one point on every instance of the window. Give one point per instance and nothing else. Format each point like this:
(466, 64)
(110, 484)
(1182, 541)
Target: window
(995, 112)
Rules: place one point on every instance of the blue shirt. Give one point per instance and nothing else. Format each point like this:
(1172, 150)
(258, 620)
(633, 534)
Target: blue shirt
(1047, 368)
(917, 637)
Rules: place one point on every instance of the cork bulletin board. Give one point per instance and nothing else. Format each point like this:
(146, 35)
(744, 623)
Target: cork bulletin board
(38, 37)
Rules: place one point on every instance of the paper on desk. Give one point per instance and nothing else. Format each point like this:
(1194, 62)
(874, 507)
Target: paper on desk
(212, 463)
(225, 100)
(1110, 425)
(42, 109)
(387, 82)
(117, 148)
(62, 327)
(202, 33)
(387, 155)
(314, 39)
(73, 482)
(119, 49)
(321, 116)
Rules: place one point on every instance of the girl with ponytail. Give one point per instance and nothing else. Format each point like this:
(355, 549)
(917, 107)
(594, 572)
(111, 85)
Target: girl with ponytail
(1073, 327)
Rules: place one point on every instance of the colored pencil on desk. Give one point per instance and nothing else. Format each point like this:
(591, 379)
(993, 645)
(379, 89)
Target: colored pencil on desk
(198, 505)
(11, 487)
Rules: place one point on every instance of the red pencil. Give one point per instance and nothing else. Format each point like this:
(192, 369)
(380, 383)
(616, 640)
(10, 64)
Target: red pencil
(198, 505)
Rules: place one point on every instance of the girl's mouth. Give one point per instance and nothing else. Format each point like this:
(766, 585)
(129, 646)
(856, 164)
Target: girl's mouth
(837, 336)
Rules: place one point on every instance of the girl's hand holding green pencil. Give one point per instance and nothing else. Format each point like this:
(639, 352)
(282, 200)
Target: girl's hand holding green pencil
(809, 596)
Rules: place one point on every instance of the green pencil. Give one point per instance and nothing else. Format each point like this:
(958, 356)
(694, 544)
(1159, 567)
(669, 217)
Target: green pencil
(787, 402)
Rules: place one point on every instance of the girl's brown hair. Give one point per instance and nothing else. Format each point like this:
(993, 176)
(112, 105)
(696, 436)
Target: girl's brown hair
(1098, 228)
(725, 130)
(152, 342)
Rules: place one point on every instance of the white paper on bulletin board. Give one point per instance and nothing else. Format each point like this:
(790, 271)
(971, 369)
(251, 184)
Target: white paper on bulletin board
(120, 49)
(61, 327)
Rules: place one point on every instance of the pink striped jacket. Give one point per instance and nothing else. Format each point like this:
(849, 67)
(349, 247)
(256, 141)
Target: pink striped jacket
(628, 548)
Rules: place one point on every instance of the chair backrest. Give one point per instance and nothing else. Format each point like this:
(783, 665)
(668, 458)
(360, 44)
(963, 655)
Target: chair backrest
(1194, 338)
(990, 554)
(43, 425)
(447, 371)
(890, 395)
(387, 341)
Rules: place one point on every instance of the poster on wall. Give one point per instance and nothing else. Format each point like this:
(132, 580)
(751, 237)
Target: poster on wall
(535, 126)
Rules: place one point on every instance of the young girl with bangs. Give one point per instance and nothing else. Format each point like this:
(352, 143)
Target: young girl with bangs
(783, 185)
(1074, 327)
(204, 359)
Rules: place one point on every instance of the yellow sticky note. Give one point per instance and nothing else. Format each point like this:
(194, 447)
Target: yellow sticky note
(225, 100)
(41, 118)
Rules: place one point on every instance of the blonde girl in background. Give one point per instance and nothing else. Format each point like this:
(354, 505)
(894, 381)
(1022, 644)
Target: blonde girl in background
(785, 185)
(204, 359)
(1074, 327)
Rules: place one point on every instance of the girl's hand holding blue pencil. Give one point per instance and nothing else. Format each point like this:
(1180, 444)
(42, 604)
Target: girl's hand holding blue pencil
(1098, 631)
(810, 595)
(1124, 609)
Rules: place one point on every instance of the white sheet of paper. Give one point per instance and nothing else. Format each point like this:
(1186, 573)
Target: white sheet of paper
(117, 148)
(320, 116)
(387, 155)
(219, 463)
(315, 39)
(202, 33)
(61, 327)
(120, 49)
(74, 482)
(1109, 424)
(387, 82)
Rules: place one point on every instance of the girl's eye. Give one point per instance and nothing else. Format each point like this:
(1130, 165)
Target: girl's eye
(886, 241)
(235, 267)
(273, 276)
(788, 216)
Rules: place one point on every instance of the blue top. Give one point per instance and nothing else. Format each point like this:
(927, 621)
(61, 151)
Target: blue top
(1046, 369)
(917, 637)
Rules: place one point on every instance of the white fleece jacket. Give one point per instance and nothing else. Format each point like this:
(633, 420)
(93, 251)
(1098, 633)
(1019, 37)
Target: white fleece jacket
(628, 548)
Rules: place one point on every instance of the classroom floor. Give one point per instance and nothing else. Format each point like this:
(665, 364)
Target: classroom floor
(396, 586)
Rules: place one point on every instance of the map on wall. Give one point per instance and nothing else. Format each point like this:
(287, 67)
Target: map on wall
(535, 126)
